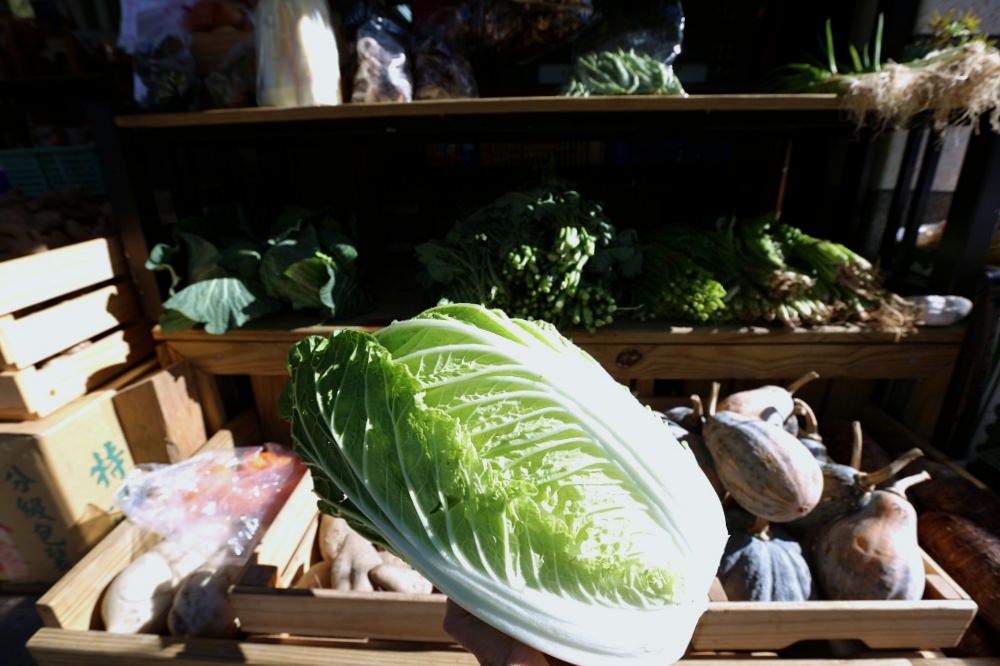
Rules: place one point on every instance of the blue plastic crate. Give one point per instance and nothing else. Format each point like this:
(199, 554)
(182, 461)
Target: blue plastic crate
(35, 171)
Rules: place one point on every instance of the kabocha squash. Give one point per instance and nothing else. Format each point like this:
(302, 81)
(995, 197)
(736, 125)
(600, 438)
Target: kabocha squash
(766, 470)
(770, 403)
(846, 490)
(970, 554)
(763, 563)
(689, 418)
(872, 554)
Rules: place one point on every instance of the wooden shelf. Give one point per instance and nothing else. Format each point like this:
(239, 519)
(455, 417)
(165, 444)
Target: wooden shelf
(643, 352)
(487, 106)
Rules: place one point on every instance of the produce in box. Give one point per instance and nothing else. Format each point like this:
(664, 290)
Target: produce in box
(510, 469)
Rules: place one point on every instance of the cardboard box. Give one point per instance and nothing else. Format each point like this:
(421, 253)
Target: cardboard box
(58, 478)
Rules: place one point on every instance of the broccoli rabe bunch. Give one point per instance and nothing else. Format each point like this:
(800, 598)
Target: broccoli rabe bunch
(545, 253)
(675, 288)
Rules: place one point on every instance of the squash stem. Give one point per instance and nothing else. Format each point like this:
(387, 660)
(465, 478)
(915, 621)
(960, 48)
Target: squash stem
(803, 409)
(892, 469)
(857, 445)
(904, 484)
(713, 398)
(802, 381)
(697, 406)
(761, 528)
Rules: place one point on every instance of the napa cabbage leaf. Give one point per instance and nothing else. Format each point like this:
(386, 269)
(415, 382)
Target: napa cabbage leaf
(507, 466)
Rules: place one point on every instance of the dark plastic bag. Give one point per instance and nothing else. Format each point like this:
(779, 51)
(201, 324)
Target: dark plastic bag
(441, 67)
(164, 72)
(526, 28)
(379, 60)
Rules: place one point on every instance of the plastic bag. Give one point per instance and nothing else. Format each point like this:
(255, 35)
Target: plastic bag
(298, 63)
(632, 52)
(381, 64)
(233, 83)
(213, 504)
(526, 28)
(441, 68)
(654, 28)
(156, 34)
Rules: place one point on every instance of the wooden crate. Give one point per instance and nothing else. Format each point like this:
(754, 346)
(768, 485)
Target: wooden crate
(38, 278)
(58, 477)
(265, 606)
(66, 325)
(37, 391)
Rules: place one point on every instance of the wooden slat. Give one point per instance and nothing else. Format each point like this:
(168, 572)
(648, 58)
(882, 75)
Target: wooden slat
(72, 602)
(54, 647)
(267, 390)
(41, 277)
(161, 416)
(29, 339)
(681, 361)
(486, 106)
(282, 538)
(35, 392)
(212, 404)
(244, 430)
(286, 329)
(660, 361)
(333, 614)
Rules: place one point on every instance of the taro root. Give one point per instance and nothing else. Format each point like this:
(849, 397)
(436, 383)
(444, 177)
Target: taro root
(951, 492)
(872, 554)
(763, 563)
(770, 403)
(766, 470)
(970, 555)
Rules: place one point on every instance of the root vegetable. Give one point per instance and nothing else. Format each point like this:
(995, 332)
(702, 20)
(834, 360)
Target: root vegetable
(774, 404)
(201, 606)
(393, 578)
(318, 577)
(138, 600)
(332, 533)
(351, 565)
(970, 554)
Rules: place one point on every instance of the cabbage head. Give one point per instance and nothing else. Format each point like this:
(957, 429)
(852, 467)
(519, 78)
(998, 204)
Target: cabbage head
(509, 468)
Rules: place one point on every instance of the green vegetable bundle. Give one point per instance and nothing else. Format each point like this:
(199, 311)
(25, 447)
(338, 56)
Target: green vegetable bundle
(954, 76)
(545, 253)
(622, 73)
(760, 272)
(307, 262)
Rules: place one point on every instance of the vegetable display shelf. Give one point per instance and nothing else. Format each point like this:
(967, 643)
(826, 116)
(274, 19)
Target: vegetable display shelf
(488, 106)
(650, 352)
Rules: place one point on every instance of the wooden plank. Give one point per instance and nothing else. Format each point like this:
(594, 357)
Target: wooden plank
(54, 647)
(73, 601)
(212, 404)
(244, 430)
(286, 530)
(287, 329)
(333, 614)
(267, 390)
(681, 361)
(925, 402)
(659, 361)
(42, 277)
(35, 392)
(26, 340)
(161, 416)
(485, 106)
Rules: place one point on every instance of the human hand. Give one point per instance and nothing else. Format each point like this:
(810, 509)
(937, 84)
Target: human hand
(489, 646)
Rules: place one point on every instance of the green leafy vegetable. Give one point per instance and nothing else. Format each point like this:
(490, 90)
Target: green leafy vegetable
(307, 263)
(509, 468)
(545, 253)
(622, 72)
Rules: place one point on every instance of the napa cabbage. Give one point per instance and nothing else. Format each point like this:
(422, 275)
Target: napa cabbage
(508, 467)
